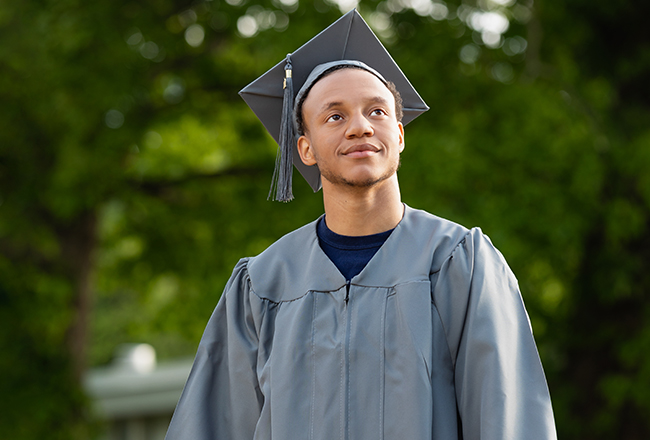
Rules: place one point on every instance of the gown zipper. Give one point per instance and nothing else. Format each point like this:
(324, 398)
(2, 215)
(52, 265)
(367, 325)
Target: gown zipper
(345, 422)
(347, 292)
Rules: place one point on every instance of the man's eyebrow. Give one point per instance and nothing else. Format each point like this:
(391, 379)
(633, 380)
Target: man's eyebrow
(332, 104)
(378, 100)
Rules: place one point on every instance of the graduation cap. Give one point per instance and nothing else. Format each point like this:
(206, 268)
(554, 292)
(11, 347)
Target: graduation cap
(271, 96)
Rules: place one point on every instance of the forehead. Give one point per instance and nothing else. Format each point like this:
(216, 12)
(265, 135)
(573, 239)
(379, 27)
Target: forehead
(348, 84)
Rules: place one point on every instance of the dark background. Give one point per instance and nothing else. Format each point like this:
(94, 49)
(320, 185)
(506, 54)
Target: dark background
(132, 178)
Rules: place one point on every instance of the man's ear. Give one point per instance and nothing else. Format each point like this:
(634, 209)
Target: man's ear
(305, 151)
(401, 136)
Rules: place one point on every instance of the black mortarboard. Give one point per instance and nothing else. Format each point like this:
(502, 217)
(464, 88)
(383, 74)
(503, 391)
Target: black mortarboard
(271, 96)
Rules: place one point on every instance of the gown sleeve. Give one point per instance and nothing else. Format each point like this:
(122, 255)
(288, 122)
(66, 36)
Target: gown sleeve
(222, 398)
(501, 389)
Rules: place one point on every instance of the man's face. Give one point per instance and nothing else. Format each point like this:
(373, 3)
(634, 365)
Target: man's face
(352, 133)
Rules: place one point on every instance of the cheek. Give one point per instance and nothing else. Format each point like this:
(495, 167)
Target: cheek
(400, 138)
(316, 153)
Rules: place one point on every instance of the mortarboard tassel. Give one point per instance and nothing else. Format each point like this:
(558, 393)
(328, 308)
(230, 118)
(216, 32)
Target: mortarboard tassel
(282, 175)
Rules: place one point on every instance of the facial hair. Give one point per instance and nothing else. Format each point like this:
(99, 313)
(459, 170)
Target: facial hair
(338, 179)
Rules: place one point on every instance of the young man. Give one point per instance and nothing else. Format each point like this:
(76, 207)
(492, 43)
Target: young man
(376, 321)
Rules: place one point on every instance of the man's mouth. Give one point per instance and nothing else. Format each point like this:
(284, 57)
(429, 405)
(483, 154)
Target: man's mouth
(361, 150)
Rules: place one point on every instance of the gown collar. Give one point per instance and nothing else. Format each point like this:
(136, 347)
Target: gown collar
(296, 264)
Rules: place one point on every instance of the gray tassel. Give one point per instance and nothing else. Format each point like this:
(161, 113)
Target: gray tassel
(282, 175)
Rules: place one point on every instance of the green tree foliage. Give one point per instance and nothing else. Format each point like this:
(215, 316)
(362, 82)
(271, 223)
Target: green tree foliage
(601, 56)
(132, 178)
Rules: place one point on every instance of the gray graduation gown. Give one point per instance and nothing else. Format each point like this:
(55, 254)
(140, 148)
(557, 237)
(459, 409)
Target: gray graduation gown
(430, 341)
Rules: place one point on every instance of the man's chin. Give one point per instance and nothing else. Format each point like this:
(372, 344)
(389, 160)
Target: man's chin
(359, 182)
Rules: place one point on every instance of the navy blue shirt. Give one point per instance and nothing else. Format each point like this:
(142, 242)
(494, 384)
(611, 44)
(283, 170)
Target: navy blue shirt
(349, 254)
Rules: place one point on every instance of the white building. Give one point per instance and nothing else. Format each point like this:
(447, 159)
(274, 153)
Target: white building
(135, 396)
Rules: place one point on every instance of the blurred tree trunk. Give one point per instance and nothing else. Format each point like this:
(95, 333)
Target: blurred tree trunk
(78, 240)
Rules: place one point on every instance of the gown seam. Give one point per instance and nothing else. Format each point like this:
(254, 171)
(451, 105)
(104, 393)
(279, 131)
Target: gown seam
(348, 379)
(435, 305)
(393, 287)
(444, 329)
(382, 369)
(451, 254)
(313, 366)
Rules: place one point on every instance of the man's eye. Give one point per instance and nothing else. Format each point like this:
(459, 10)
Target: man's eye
(334, 118)
(378, 112)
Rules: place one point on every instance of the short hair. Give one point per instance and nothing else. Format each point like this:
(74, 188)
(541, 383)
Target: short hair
(399, 113)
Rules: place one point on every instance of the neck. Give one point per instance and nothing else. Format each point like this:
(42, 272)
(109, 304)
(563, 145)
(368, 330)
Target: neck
(362, 211)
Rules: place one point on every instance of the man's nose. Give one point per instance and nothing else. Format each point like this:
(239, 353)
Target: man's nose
(359, 126)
